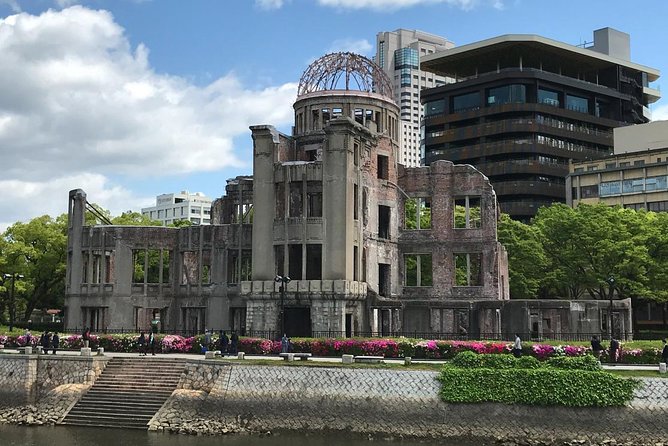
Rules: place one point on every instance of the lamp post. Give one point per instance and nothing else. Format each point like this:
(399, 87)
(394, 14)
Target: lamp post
(611, 288)
(283, 280)
(12, 307)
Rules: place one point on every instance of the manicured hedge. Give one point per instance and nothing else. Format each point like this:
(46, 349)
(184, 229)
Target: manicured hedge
(473, 378)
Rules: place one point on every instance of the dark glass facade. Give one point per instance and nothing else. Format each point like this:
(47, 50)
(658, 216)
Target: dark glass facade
(519, 124)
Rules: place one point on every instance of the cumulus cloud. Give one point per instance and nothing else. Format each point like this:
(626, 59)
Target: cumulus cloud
(269, 5)
(75, 97)
(360, 46)
(50, 196)
(660, 113)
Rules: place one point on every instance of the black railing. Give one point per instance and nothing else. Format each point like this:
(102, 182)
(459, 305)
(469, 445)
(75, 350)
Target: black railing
(427, 335)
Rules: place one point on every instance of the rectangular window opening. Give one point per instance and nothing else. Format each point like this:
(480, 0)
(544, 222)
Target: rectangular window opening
(384, 222)
(468, 269)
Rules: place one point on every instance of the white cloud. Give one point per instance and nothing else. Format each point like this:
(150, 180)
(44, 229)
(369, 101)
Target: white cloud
(360, 46)
(65, 3)
(269, 5)
(36, 198)
(660, 113)
(76, 98)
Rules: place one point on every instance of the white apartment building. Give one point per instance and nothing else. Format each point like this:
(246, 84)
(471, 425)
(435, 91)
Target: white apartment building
(169, 208)
(398, 54)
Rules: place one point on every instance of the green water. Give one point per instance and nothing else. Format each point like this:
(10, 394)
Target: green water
(83, 436)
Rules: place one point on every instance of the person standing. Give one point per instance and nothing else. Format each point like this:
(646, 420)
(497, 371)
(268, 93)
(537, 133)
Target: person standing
(664, 351)
(207, 338)
(517, 346)
(614, 350)
(141, 344)
(86, 337)
(55, 343)
(46, 342)
(234, 343)
(285, 344)
(596, 347)
(223, 343)
(151, 342)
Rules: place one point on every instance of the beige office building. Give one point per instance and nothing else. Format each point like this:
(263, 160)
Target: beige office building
(635, 176)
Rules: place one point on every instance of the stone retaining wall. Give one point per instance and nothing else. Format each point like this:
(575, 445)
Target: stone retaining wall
(26, 378)
(387, 403)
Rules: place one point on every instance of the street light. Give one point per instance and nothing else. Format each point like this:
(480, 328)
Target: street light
(12, 307)
(283, 280)
(611, 285)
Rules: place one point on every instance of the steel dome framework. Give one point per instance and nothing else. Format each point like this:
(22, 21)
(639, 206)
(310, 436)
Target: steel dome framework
(344, 71)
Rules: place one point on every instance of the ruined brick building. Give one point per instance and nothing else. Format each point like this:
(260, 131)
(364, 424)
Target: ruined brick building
(369, 246)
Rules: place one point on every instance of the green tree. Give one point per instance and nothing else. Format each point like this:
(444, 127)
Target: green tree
(526, 258)
(130, 218)
(37, 250)
(588, 246)
(180, 223)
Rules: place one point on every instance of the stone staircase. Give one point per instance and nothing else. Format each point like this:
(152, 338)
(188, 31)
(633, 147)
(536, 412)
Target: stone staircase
(128, 393)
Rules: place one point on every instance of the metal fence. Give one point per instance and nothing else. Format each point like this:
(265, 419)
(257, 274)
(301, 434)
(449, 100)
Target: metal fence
(509, 337)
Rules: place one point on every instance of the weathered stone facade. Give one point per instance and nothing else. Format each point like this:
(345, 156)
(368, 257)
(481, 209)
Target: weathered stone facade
(369, 247)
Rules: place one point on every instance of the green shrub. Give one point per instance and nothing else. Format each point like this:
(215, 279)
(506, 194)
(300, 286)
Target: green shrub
(542, 386)
(499, 361)
(528, 362)
(587, 362)
(468, 360)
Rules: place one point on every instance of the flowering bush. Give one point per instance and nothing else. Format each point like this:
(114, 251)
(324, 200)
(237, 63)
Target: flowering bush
(390, 348)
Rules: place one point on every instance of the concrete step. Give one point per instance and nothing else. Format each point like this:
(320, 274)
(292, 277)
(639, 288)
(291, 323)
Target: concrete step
(127, 394)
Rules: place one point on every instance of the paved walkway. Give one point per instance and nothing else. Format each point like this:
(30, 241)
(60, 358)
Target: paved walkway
(325, 359)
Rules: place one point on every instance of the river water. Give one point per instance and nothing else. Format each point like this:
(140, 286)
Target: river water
(83, 436)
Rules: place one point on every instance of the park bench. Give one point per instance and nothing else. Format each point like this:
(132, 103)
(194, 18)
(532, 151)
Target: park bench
(369, 359)
(292, 356)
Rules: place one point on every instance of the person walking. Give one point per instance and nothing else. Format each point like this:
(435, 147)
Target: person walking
(55, 343)
(234, 343)
(141, 344)
(664, 351)
(46, 342)
(86, 337)
(223, 343)
(596, 347)
(151, 342)
(517, 346)
(614, 350)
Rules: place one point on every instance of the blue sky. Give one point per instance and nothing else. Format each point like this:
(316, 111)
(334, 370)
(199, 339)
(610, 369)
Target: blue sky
(128, 99)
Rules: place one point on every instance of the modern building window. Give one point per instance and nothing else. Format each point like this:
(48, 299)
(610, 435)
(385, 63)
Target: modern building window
(418, 271)
(434, 108)
(656, 183)
(468, 213)
(577, 103)
(508, 94)
(196, 211)
(468, 269)
(468, 101)
(548, 97)
(589, 191)
(608, 188)
(633, 186)
(417, 213)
